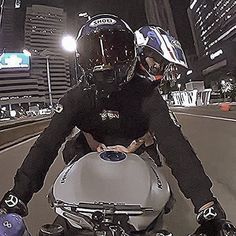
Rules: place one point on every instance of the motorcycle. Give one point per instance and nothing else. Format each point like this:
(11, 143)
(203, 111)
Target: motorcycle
(110, 193)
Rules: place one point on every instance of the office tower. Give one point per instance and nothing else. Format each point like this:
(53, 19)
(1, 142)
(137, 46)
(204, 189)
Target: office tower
(44, 28)
(15, 85)
(7, 31)
(213, 24)
(32, 83)
(159, 12)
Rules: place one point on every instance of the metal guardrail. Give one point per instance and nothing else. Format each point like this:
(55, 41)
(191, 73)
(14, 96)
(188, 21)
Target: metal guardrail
(14, 132)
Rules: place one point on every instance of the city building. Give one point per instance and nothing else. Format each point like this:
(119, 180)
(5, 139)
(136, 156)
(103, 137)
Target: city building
(10, 34)
(44, 29)
(159, 12)
(48, 77)
(213, 24)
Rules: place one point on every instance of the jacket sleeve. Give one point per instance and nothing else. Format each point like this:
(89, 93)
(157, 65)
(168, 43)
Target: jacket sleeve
(30, 176)
(179, 154)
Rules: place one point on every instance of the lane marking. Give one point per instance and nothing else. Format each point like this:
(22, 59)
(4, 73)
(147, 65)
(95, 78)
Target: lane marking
(209, 117)
(18, 144)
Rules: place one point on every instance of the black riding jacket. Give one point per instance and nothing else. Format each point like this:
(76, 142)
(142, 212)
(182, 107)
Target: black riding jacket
(126, 115)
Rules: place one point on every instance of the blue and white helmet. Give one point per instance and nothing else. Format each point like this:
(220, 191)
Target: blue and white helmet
(154, 42)
(162, 43)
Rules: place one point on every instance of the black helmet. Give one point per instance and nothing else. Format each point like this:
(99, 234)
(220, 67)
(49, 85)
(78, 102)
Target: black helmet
(106, 52)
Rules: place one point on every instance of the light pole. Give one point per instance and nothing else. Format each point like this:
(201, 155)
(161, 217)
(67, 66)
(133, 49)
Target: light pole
(1, 12)
(49, 83)
(69, 44)
(180, 99)
(45, 53)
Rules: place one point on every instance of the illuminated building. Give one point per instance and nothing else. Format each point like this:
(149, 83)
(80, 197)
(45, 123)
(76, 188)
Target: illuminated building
(7, 27)
(213, 26)
(159, 12)
(44, 28)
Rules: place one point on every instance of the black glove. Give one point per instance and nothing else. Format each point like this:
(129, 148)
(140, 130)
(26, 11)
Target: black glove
(213, 222)
(10, 203)
(213, 212)
(216, 228)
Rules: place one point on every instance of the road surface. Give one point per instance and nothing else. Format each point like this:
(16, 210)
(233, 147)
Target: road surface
(213, 136)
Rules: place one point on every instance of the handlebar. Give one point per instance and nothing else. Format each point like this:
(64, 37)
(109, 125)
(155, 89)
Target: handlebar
(107, 208)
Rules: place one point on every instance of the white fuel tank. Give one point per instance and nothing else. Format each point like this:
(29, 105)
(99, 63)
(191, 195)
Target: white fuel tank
(114, 177)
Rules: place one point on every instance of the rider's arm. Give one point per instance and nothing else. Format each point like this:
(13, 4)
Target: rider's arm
(30, 176)
(179, 154)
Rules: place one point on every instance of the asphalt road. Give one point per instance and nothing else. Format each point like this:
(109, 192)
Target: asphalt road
(211, 132)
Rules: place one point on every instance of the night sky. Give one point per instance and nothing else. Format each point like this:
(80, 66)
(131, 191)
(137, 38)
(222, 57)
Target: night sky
(132, 11)
(179, 9)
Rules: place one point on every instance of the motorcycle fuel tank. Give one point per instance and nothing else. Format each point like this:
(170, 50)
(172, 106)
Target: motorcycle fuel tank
(114, 177)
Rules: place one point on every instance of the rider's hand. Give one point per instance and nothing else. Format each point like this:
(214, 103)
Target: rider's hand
(210, 211)
(216, 228)
(10, 203)
(213, 221)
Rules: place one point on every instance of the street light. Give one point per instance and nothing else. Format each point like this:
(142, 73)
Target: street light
(27, 53)
(69, 44)
(84, 14)
(45, 54)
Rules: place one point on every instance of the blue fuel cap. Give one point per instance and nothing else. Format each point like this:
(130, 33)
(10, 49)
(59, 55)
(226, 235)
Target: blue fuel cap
(113, 156)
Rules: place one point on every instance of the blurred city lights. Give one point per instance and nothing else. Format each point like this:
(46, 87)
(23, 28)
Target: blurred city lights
(84, 14)
(223, 82)
(189, 72)
(27, 53)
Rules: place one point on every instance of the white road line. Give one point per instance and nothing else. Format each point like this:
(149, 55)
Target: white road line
(209, 117)
(20, 143)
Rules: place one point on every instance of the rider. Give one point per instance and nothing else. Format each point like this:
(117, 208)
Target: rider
(159, 53)
(114, 104)
(158, 57)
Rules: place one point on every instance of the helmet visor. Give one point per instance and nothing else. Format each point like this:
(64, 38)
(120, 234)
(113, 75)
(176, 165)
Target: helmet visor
(105, 48)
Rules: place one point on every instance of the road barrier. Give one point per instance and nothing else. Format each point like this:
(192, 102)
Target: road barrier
(192, 98)
(16, 133)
